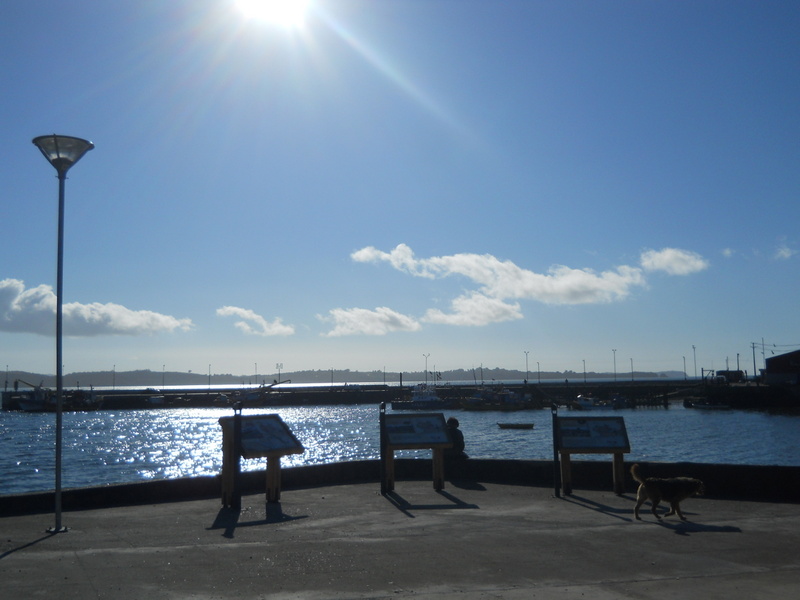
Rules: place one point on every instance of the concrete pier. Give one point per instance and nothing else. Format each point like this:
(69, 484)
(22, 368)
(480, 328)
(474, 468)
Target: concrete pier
(474, 539)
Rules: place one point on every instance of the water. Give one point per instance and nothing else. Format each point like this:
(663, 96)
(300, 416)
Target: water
(107, 447)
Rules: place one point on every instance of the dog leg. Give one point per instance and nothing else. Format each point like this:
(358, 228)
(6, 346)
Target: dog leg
(640, 498)
(655, 505)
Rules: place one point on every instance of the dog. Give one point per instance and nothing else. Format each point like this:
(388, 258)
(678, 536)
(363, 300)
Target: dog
(672, 490)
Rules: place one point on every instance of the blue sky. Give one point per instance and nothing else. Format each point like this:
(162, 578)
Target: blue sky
(464, 179)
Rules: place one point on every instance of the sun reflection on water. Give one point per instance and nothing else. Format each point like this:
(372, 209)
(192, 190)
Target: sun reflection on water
(107, 447)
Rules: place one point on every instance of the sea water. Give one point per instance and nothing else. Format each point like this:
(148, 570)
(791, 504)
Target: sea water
(107, 447)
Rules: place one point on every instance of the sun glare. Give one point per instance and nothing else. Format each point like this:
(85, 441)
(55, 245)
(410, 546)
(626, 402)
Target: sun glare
(286, 13)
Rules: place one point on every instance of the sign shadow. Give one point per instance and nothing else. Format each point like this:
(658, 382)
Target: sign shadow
(406, 507)
(228, 519)
(624, 514)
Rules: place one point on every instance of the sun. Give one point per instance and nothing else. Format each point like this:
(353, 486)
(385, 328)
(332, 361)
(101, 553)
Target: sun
(285, 13)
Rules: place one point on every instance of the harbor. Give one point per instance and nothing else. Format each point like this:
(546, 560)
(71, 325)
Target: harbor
(492, 396)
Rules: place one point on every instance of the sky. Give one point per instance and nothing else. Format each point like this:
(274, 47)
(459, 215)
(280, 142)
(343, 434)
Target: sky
(402, 184)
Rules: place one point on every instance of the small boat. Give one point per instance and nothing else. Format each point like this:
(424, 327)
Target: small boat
(587, 403)
(423, 397)
(709, 406)
(515, 425)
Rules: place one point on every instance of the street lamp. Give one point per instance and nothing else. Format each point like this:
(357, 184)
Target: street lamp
(614, 350)
(526, 366)
(62, 152)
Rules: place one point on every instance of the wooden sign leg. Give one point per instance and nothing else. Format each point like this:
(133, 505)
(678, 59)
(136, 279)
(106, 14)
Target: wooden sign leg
(273, 478)
(619, 474)
(566, 474)
(390, 470)
(438, 469)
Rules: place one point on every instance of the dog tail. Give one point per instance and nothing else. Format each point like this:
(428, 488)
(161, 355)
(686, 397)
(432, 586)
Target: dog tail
(635, 473)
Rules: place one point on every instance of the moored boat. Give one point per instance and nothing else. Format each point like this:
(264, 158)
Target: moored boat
(423, 397)
(515, 425)
(587, 403)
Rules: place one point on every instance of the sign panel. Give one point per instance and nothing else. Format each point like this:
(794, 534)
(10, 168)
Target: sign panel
(589, 435)
(416, 430)
(265, 435)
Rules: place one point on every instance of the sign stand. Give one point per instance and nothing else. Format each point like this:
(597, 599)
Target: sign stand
(255, 436)
(409, 432)
(591, 435)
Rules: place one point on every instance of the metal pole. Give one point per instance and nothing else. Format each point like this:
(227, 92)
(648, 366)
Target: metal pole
(236, 500)
(614, 350)
(527, 376)
(556, 443)
(383, 447)
(62, 175)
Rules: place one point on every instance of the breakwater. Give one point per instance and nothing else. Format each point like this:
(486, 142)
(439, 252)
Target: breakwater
(535, 395)
(722, 481)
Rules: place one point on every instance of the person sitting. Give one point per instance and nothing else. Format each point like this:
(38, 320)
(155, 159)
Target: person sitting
(457, 437)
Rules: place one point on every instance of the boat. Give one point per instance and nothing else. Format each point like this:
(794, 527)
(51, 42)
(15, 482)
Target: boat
(423, 397)
(705, 405)
(501, 399)
(587, 403)
(515, 425)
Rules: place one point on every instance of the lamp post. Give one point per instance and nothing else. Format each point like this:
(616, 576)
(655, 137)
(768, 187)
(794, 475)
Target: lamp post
(614, 350)
(526, 366)
(62, 152)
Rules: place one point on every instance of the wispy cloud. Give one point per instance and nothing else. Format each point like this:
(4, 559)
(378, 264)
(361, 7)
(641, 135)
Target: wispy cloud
(33, 311)
(673, 261)
(501, 283)
(475, 309)
(784, 252)
(362, 321)
(254, 324)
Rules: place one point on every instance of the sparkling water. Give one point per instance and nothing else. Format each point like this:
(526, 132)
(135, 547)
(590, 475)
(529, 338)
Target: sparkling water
(125, 446)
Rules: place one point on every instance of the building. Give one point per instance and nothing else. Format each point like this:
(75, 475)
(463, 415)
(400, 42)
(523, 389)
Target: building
(783, 369)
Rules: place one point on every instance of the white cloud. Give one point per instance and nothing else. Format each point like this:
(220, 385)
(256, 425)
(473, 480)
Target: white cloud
(505, 280)
(254, 324)
(33, 311)
(728, 252)
(501, 281)
(475, 309)
(673, 261)
(784, 252)
(362, 321)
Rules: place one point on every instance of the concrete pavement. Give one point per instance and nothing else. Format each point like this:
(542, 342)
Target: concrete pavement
(473, 540)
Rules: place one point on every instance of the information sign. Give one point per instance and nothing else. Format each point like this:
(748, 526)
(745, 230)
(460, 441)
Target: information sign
(592, 435)
(408, 431)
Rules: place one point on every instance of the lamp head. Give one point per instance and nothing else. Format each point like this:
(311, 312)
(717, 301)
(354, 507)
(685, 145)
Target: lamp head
(62, 151)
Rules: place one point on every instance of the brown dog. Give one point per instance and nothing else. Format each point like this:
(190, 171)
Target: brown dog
(671, 490)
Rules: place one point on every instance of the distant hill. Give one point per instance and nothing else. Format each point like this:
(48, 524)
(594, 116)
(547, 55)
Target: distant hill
(148, 378)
